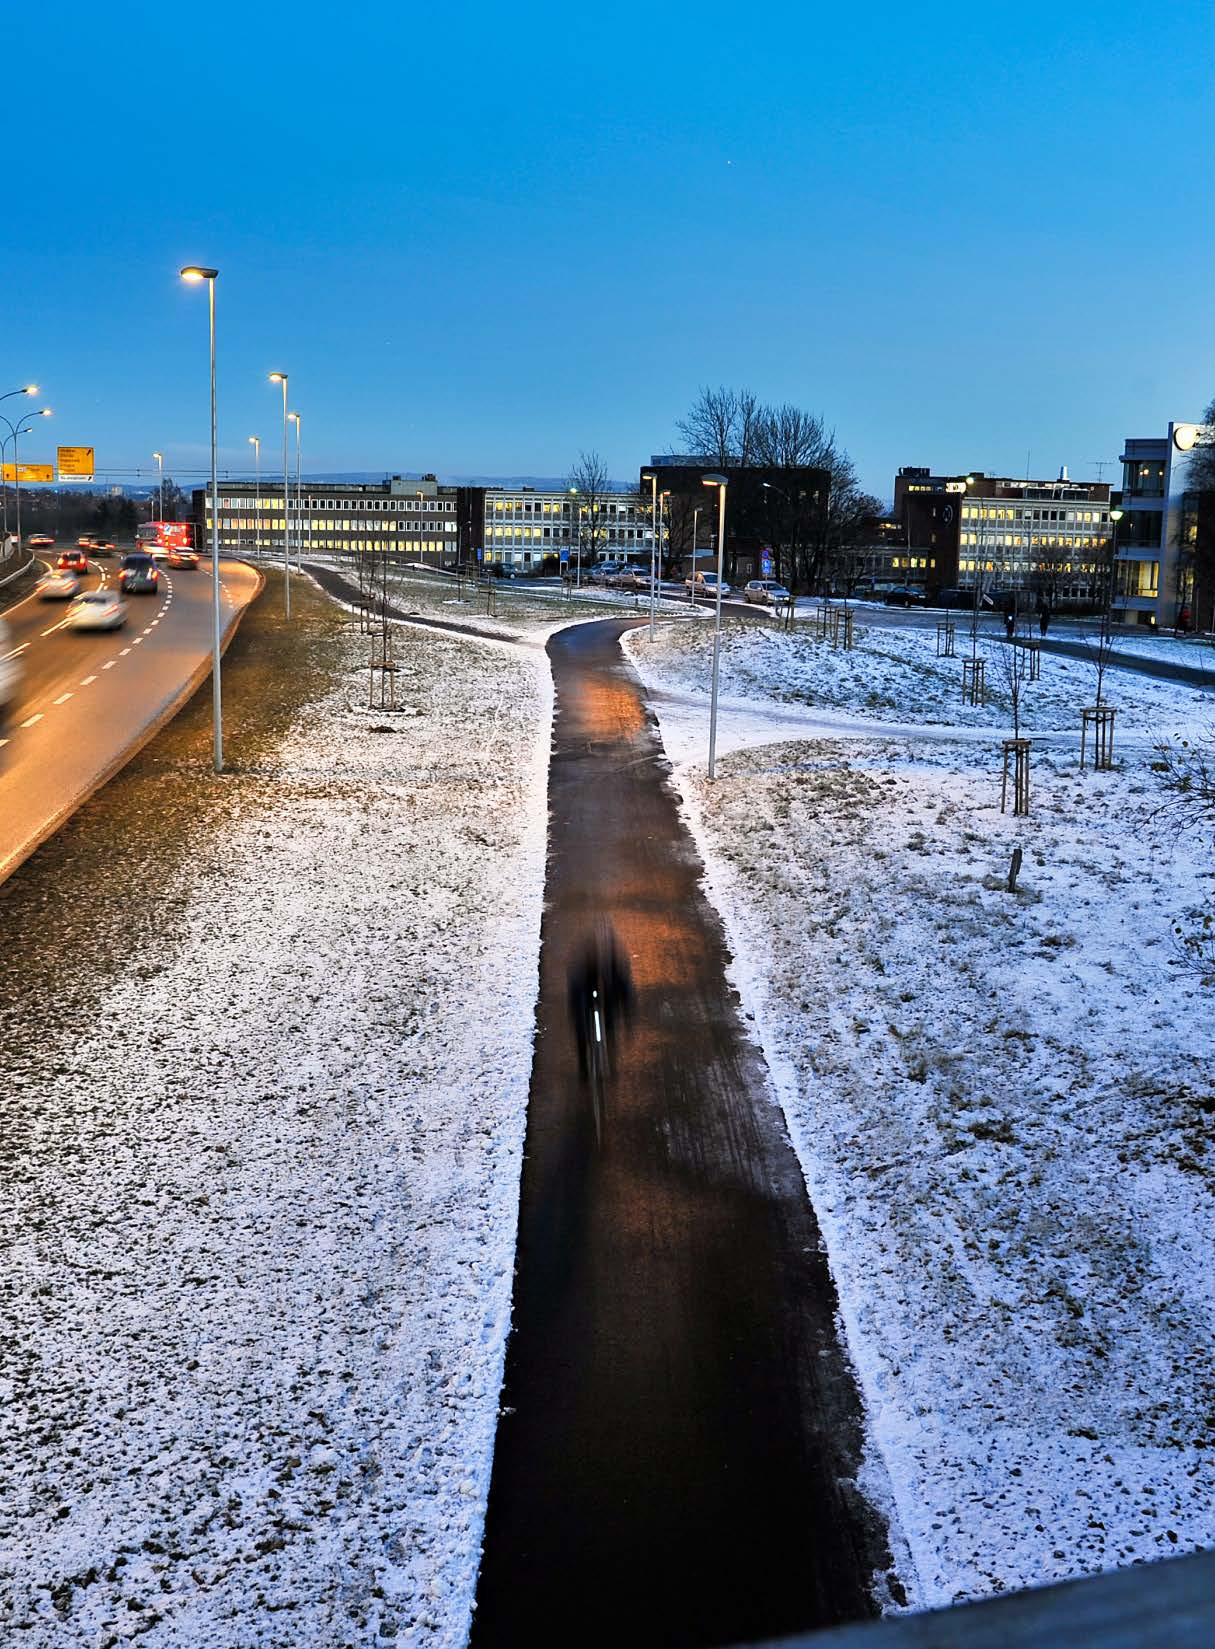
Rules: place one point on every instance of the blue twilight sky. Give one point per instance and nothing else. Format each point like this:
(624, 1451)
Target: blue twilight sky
(483, 237)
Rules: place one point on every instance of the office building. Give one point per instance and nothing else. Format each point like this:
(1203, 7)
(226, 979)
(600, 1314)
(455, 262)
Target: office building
(1163, 578)
(525, 525)
(421, 520)
(1048, 540)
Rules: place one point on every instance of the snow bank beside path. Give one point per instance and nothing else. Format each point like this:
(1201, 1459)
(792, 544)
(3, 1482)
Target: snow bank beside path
(895, 675)
(1003, 1107)
(260, 1256)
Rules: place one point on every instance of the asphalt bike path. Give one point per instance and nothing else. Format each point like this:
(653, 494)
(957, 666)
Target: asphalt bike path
(678, 1419)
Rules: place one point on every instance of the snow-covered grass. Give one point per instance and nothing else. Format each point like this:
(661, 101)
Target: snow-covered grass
(1003, 1106)
(258, 1258)
(895, 675)
(521, 608)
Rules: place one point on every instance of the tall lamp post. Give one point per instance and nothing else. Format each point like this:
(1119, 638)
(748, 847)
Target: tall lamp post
(1115, 517)
(23, 426)
(720, 482)
(195, 273)
(294, 418)
(692, 584)
(576, 524)
(8, 394)
(255, 443)
(649, 476)
(281, 378)
(160, 466)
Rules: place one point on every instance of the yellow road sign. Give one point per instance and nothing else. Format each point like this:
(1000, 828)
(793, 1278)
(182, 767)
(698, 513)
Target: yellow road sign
(76, 463)
(29, 472)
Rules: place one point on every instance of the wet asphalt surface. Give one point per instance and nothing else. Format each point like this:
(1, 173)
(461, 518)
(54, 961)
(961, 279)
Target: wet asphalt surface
(678, 1419)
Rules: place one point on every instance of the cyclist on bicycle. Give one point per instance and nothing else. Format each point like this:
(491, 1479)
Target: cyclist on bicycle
(599, 978)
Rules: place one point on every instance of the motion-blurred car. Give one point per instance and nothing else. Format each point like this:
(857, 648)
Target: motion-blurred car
(86, 541)
(102, 546)
(57, 587)
(40, 541)
(139, 574)
(73, 561)
(11, 672)
(903, 596)
(182, 558)
(765, 591)
(705, 584)
(96, 610)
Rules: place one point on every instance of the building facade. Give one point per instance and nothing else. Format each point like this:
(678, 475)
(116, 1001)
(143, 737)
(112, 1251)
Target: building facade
(429, 522)
(523, 526)
(421, 520)
(1047, 540)
(1161, 578)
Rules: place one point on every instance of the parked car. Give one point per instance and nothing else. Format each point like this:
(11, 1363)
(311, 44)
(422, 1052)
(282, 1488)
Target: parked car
(604, 571)
(139, 574)
(183, 558)
(765, 592)
(631, 578)
(902, 595)
(57, 586)
(705, 584)
(96, 610)
(73, 561)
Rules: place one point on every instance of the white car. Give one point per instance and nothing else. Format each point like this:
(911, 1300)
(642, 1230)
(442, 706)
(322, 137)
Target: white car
(57, 586)
(766, 591)
(705, 584)
(96, 610)
(11, 672)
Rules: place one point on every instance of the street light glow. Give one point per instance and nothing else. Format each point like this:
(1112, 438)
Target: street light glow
(196, 272)
(278, 377)
(30, 389)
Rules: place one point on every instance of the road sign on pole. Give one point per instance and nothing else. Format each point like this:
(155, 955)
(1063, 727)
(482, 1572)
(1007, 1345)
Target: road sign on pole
(29, 472)
(75, 463)
(565, 558)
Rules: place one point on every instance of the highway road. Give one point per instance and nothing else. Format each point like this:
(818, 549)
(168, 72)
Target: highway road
(89, 700)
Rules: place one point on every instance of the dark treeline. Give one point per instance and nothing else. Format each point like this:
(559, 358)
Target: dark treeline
(66, 512)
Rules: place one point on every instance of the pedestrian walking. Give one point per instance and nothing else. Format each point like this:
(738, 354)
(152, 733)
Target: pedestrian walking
(1043, 619)
(1010, 623)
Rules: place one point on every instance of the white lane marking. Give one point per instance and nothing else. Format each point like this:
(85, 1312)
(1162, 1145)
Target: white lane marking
(3, 742)
(88, 681)
(123, 653)
(136, 643)
(64, 697)
(33, 721)
(53, 628)
(109, 664)
(15, 651)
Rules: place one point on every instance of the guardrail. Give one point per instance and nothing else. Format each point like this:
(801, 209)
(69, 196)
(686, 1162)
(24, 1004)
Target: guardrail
(1165, 1605)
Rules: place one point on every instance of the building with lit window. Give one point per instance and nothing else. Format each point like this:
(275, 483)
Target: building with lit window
(1047, 539)
(524, 525)
(1162, 576)
(421, 520)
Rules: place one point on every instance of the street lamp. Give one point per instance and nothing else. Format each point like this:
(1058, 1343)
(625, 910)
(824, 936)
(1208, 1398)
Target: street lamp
(255, 443)
(1115, 517)
(720, 482)
(195, 273)
(294, 418)
(21, 427)
(160, 465)
(692, 582)
(281, 378)
(577, 526)
(653, 480)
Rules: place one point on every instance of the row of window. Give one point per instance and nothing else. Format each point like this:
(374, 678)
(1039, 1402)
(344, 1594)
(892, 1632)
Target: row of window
(1033, 541)
(348, 506)
(998, 512)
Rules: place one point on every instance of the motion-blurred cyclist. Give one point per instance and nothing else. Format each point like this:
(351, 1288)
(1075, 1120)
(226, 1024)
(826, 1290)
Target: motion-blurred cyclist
(600, 982)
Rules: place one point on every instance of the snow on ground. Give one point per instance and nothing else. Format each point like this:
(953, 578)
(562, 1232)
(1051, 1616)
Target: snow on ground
(263, 1244)
(513, 608)
(895, 675)
(1003, 1106)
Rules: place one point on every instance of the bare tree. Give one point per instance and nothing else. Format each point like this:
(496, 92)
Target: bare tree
(589, 483)
(723, 427)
